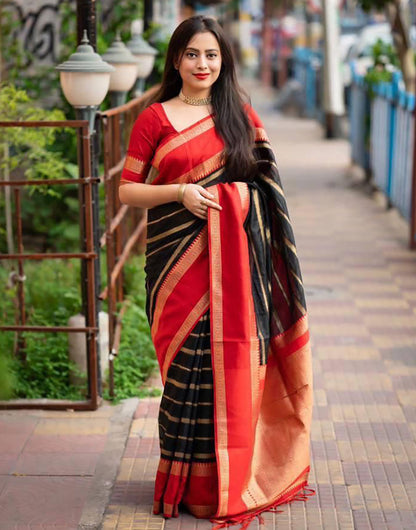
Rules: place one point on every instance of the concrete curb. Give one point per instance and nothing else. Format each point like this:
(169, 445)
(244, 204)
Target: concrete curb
(107, 466)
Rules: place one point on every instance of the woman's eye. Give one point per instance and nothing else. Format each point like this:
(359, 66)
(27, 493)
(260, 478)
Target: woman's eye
(191, 54)
(212, 55)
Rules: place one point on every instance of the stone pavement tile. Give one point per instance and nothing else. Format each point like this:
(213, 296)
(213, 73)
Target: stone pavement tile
(352, 353)
(106, 410)
(77, 426)
(43, 500)
(56, 464)
(3, 479)
(393, 304)
(60, 464)
(407, 397)
(39, 527)
(12, 443)
(7, 462)
(15, 425)
(352, 365)
(361, 520)
(43, 443)
(130, 517)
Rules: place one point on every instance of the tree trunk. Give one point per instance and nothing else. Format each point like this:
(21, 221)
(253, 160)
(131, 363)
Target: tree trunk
(401, 39)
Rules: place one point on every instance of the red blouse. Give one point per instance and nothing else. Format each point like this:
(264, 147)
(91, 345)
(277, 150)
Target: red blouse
(159, 154)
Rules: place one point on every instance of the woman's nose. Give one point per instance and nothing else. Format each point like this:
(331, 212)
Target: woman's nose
(202, 64)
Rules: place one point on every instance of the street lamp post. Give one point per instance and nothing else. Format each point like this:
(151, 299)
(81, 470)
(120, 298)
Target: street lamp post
(125, 71)
(87, 20)
(85, 80)
(145, 56)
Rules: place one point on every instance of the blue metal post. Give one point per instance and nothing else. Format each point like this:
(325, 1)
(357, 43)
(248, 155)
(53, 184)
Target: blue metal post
(392, 95)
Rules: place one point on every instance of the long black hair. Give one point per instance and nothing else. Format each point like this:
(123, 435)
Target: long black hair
(230, 117)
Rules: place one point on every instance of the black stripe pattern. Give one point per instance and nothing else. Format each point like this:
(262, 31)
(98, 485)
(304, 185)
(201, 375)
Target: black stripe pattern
(186, 427)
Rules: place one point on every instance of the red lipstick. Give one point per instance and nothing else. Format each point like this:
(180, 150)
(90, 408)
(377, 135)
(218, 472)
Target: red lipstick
(201, 76)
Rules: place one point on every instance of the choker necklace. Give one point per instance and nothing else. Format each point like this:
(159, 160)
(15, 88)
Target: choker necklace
(191, 100)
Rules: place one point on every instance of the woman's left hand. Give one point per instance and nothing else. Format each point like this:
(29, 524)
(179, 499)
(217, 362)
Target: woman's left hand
(197, 200)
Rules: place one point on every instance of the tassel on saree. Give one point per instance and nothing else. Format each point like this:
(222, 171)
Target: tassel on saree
(302, 494)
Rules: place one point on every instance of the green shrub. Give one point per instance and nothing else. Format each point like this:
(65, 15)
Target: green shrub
(136, 359)
(385, 60)
(52, 296)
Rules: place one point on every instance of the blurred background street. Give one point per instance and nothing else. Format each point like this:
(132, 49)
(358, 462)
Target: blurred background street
(334, 85)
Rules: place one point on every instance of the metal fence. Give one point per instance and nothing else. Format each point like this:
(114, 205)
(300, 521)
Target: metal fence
(359, 112)
(88, 254)
(402, 154)
(307, 70)
(124, 225)
(382, 141)
(123, 229)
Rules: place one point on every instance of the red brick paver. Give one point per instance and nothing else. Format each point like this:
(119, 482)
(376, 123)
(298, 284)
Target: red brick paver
(361, 288)
(48, 464)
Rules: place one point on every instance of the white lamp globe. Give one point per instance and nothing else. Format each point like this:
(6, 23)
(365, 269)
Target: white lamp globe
(85, 77)
(144, 53)
(125, 66)
(84, 89)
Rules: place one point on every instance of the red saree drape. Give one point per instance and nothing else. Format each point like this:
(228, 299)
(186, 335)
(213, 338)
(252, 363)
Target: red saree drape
(229, 324)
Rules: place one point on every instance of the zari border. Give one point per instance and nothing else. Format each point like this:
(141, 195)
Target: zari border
(181, 139)
(217, 355)
(175, 274)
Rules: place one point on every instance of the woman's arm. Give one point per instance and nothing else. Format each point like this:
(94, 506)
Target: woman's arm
(195, 198)
(146, 195)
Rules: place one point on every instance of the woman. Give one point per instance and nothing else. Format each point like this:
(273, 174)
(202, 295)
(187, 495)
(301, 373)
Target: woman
(224, 293)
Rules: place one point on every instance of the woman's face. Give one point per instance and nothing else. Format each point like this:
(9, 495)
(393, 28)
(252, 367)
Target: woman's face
(200, 64)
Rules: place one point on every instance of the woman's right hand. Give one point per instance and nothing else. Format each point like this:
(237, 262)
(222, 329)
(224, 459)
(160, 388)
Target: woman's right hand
(197, 200)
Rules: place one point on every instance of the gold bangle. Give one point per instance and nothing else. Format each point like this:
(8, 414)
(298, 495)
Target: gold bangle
(181, 192)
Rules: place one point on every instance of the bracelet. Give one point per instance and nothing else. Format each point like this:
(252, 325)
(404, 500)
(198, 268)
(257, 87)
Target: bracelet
(181, 192)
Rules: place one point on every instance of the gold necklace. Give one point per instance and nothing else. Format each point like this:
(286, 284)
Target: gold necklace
(191, 100)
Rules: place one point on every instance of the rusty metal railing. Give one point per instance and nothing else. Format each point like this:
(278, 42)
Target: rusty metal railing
(125, 226)
(124, 229)
(88, 255)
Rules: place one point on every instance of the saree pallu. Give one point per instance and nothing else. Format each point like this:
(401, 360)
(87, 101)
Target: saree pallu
(228, 319)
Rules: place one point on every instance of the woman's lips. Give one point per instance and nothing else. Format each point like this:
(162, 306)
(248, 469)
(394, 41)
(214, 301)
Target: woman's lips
(201, 76)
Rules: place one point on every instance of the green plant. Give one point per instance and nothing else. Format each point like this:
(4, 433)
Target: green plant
(136, 359)
(396, 14)
(6, 381)
(51, 297)
(46, 371)
(28, 147)
(385, 61)
(29, 153)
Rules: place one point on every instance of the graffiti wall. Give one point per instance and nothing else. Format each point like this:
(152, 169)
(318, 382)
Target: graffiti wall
(36, 27)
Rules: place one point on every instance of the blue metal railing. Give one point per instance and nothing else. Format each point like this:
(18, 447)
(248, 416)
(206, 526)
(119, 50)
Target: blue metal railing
(359, 113)
(402, 155)
(381, 129)
(391, 133)
(307, 65)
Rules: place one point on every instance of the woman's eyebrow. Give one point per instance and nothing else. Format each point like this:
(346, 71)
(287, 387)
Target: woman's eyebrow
(196, 50)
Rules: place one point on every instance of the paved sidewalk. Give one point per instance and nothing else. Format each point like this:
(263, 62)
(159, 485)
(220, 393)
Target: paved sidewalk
(56, 468)
(361, 285)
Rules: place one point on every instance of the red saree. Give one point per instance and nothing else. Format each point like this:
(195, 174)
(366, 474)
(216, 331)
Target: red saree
(228, 319)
